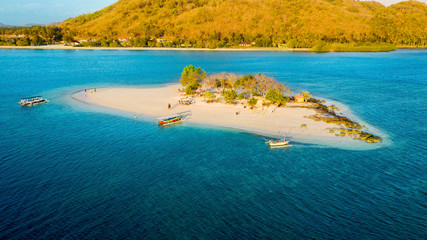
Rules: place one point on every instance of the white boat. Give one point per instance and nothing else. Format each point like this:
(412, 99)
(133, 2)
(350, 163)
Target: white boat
(32, 100)
(282, 143)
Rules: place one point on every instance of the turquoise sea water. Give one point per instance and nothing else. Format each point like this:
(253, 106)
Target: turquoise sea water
(72, 171)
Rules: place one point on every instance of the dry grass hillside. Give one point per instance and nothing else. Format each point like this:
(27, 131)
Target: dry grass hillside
(266, 22)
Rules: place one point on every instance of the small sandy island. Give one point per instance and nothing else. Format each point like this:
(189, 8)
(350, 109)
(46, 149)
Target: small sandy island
(292, 120)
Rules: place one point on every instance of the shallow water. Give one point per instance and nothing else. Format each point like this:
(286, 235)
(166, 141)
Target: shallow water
(69, 170)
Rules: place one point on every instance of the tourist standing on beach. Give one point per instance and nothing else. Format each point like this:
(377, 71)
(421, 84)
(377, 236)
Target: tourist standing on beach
(169, 106)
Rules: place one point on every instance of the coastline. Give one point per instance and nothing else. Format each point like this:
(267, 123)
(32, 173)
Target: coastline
(243, 49)
(273, 122)
(62, 47)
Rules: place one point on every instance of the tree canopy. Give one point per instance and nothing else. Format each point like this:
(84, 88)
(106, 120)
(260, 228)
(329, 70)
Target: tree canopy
(306, 95)
(192, 75)
(275, 95)
(252, 102)
(230, 96)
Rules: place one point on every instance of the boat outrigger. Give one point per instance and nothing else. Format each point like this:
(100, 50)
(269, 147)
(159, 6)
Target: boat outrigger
(168, 120)
(32, 100)
(282, 143)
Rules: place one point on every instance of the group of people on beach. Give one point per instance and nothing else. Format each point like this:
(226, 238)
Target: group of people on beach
(185, 101)
(91, 90)
(182, 102)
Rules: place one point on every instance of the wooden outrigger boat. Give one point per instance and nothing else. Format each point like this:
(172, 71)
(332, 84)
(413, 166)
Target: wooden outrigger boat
(282, 143)
(32, 100)
(168, 120)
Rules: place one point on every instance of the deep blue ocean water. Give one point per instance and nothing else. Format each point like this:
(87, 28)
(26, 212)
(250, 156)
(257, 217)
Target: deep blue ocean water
(71, 171)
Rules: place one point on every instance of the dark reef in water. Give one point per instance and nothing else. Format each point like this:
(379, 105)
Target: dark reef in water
(351, 128)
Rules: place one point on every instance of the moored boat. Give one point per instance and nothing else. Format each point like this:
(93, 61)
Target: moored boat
(32, 100)
(282, 143)
(168, 120)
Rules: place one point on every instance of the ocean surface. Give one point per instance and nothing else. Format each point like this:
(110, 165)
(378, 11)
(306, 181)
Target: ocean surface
(70, 170)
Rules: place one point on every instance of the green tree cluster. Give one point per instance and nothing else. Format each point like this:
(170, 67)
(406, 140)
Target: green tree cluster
(306, 95)
(276, 96)
(190, 88)
(209, 95)
(230, 96)
(35, 35)
(252, 102)
(241, 96)
(192, 76)
(248, 85)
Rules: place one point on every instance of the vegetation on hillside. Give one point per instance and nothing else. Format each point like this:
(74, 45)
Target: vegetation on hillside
(323, 25)
(221, 23)
(26, 36)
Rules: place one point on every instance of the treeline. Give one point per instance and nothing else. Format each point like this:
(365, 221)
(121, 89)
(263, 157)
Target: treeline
(26, 36)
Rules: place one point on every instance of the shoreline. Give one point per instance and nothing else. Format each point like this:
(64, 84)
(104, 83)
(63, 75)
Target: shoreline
(249, 49)
(62, 47)
(152, 102)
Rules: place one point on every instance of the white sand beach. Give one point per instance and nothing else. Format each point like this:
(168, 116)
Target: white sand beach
(154, 102)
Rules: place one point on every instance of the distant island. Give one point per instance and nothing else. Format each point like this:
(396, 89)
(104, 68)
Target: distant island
(255, 103)
(319, 26)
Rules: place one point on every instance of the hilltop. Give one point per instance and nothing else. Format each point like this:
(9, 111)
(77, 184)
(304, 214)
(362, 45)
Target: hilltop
(218, 23)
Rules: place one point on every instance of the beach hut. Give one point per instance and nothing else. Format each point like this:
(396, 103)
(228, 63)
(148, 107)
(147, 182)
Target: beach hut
(299, 98)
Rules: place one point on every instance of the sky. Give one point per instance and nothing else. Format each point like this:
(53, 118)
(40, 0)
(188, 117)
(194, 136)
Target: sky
(21, 12)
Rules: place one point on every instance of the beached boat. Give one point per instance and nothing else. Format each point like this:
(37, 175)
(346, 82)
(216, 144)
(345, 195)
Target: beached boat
(168, 120)
(282, 143)
(32, 100)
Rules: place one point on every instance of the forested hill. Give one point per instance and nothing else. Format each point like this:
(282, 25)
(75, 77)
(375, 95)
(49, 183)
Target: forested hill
(323, 25)
(266, 22)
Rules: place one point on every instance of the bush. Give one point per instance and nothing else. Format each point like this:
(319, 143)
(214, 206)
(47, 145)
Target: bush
(292, 44)
(321, 46)
(252, 102)
(241, 96)
(68, 38)
(380, 47)
(285, 100)
(209, 95)
(23, 42)
(114, 44)
(192, 87)
(230, 96)
(255, 93)
(274, 95)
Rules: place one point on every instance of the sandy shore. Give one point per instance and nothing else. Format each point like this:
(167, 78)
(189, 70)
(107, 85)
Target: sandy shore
(154, 102)
(251, 49)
